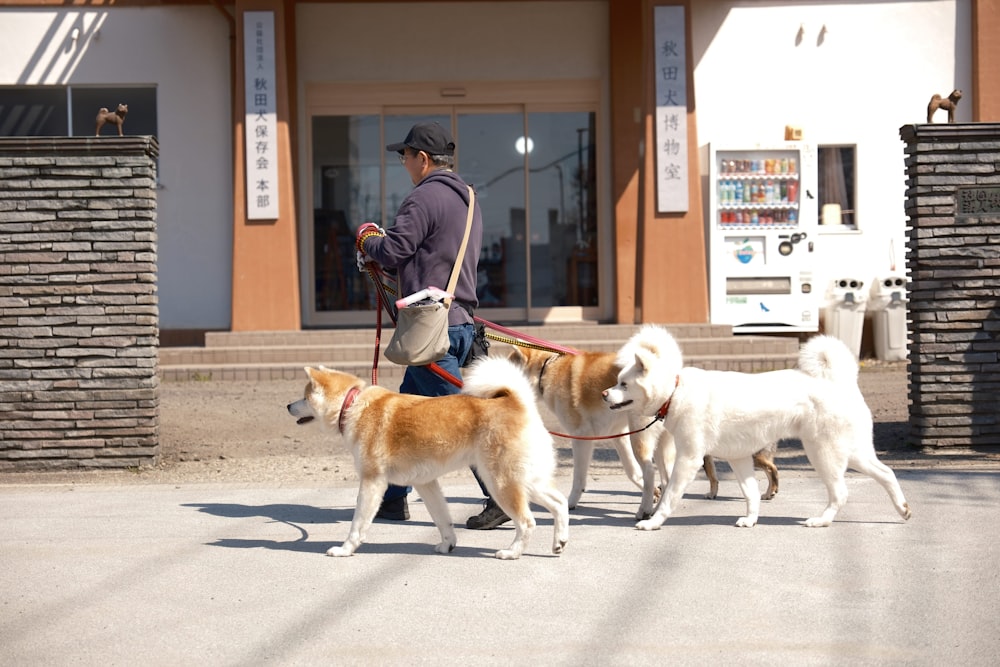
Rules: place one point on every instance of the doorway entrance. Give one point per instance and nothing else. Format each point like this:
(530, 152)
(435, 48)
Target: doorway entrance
(534, 170)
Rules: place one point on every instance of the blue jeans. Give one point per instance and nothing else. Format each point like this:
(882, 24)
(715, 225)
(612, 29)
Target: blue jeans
(422, 381)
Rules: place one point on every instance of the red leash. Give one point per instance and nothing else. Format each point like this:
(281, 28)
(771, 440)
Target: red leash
(389, 305)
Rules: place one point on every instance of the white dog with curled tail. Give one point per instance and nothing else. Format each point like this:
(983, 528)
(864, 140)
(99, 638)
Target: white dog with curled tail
(731, 415)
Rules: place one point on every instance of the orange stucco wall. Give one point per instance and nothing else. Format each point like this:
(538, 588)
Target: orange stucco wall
(661, 265)
(265, 253)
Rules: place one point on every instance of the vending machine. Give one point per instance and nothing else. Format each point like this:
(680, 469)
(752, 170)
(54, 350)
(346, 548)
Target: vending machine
(762, 234)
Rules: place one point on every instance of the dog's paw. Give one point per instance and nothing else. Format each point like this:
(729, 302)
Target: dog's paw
(445, 547)
(817, 522)
(508, 554)
(340, 551)
(647, 525)
(746, 522)
(559, 547)
(907, 513)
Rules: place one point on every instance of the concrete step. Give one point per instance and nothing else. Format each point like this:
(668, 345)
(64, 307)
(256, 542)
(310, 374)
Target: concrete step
(281, 355)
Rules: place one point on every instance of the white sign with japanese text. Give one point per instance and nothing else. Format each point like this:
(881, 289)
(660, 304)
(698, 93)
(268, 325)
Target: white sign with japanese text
(261, 122)
(670, 133)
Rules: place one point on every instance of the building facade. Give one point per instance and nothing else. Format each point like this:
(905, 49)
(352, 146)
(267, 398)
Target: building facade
(272, 119)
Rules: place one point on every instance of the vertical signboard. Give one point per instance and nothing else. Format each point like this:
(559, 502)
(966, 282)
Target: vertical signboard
(261, 121)
(670, 133)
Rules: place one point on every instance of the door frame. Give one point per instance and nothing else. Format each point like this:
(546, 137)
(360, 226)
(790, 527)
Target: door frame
(449, 98)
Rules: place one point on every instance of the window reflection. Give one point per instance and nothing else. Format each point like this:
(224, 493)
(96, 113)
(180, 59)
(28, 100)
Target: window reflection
(538, 199)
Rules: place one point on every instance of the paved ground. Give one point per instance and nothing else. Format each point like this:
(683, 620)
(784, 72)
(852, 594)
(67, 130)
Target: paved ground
(217, 557)
(235, 574)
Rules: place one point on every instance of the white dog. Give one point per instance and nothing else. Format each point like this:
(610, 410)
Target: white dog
(570, 385)
(405, 439)
(732, 415)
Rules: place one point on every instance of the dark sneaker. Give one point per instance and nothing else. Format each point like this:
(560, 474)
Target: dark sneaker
(394, 510)
(491, 517)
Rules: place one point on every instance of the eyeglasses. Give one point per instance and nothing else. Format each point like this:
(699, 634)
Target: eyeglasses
(404, 155)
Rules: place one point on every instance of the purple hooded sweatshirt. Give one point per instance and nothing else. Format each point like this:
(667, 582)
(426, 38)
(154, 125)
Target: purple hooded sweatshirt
(424, 240)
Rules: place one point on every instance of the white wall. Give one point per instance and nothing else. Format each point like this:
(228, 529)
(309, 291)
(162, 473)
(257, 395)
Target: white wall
(872, 70)
(184, 52)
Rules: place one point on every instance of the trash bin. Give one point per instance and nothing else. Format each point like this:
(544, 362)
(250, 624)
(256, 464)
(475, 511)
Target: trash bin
(888, 305)
(844, 314)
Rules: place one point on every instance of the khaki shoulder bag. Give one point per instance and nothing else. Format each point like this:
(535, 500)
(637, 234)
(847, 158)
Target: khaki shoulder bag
(421, 335)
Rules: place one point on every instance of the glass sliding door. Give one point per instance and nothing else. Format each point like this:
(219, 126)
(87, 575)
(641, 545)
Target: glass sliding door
(563, 211)
(346, 192)
(534, 172)
(490, 161)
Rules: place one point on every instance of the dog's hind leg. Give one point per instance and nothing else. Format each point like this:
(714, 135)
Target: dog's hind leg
(764, 459)
(836, 489)
(437, 506)
(546, 495)
(369, 498)
(713, 478)
(583, 452)
(869, 464)
(743, 469)
(830, 460)
(513, 501)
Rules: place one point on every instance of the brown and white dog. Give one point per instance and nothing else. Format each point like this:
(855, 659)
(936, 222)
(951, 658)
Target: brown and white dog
(404, 439)
(571, 386)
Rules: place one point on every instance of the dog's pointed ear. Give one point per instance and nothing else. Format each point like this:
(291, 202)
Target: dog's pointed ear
(515, 356)
(309, 371)
(640, 363)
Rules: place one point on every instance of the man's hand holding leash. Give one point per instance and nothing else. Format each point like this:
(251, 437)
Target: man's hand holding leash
(365, 232)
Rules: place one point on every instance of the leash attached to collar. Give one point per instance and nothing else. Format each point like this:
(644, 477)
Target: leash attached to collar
(348, 402)
(661, 414)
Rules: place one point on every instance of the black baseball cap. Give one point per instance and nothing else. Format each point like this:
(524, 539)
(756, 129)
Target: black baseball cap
(428, 137)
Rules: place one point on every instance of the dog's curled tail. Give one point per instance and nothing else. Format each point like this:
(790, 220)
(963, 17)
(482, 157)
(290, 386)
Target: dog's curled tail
(828, 358)
(492, 377)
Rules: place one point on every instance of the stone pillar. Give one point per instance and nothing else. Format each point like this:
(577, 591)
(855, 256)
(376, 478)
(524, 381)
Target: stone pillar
(79, 325)
(953, 257)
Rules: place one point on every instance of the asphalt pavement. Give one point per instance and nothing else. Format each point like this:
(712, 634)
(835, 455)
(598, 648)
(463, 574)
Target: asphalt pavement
(236, 574)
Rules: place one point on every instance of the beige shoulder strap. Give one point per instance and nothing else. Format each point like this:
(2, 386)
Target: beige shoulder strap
(461, 251)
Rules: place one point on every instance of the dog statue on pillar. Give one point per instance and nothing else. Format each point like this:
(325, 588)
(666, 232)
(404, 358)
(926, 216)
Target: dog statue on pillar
(116, 117)
(949, 104)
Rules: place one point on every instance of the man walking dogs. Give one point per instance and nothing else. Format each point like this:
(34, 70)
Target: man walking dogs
(421, 246)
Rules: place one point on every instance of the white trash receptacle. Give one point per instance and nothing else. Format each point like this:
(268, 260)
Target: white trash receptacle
(888, 305)
(844, 314)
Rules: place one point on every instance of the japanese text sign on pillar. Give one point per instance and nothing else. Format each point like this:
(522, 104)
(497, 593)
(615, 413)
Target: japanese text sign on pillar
(670, 133)
(261, 121)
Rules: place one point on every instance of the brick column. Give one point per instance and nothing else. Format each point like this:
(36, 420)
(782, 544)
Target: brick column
(953, 256)
(79, 325)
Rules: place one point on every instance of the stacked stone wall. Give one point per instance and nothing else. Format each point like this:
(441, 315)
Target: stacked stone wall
(79, 323)
(953, 257)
